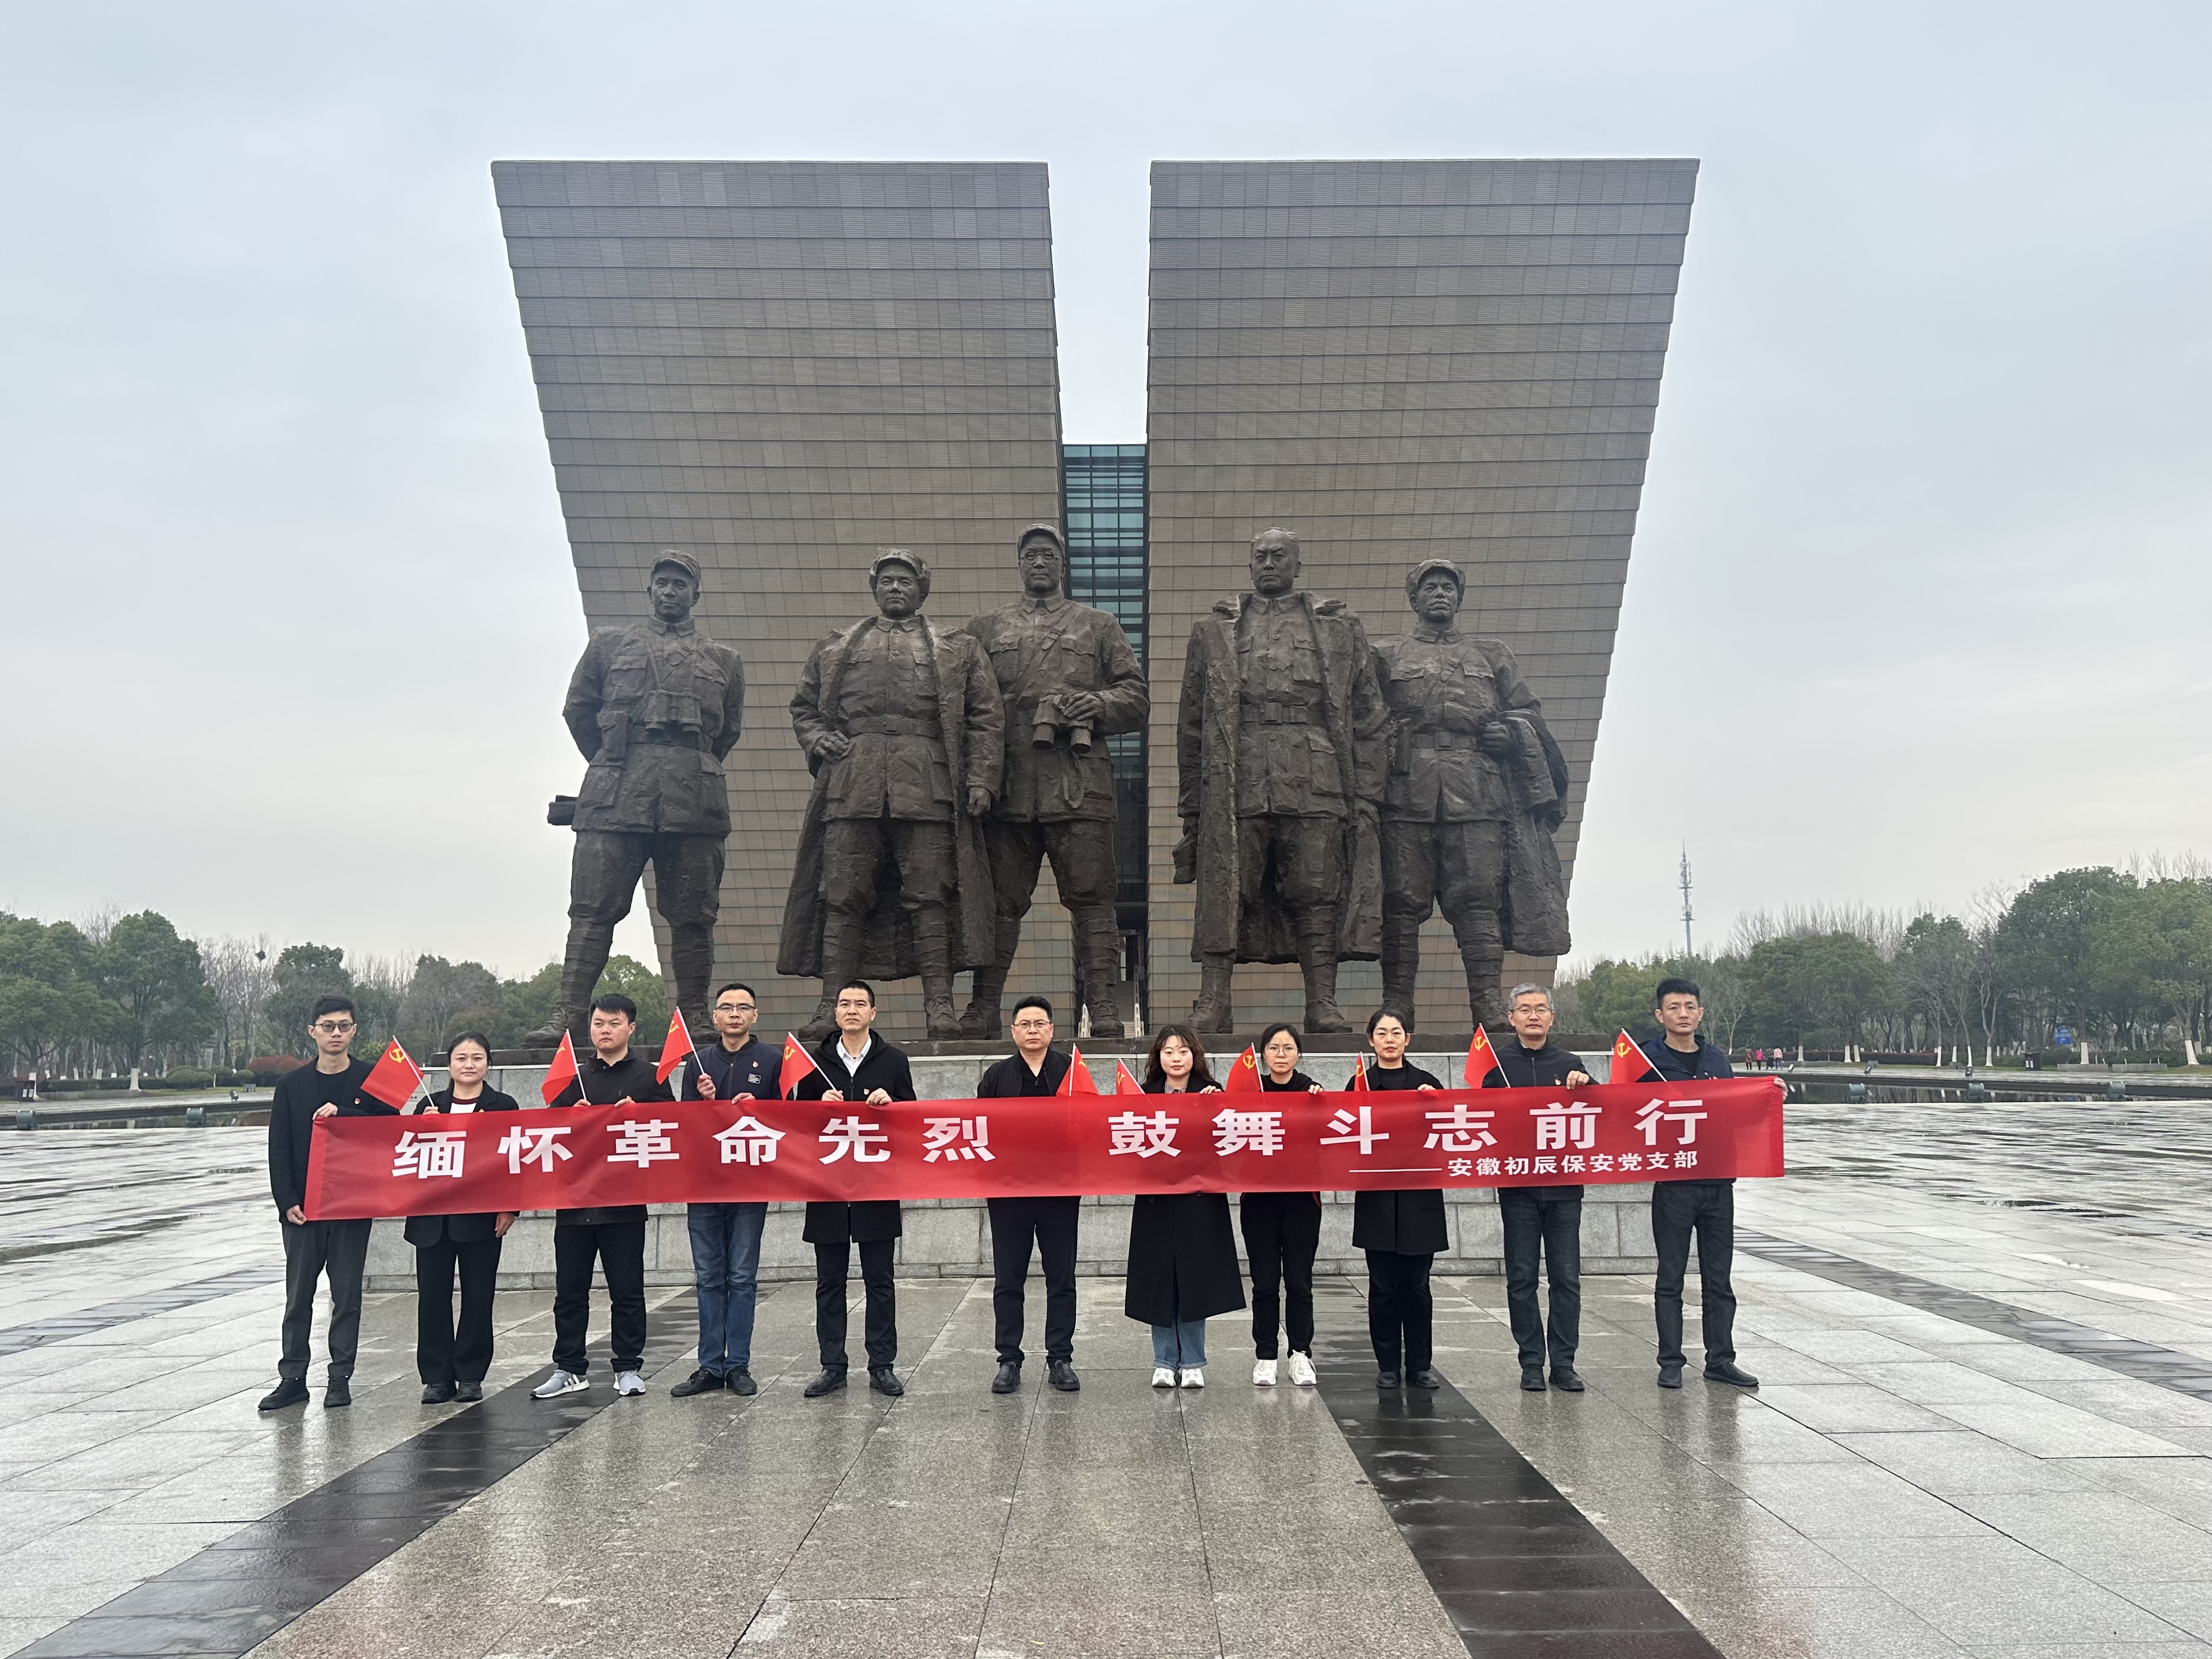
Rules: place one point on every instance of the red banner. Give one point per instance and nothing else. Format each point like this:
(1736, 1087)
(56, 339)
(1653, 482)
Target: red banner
(733, 1151)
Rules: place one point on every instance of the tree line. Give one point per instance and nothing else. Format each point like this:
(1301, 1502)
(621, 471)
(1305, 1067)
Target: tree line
(118, 995)
(2122, 960)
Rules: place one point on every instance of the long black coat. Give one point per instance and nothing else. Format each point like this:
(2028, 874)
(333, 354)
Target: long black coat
(1183, 1257)
(884, 1068)
(1406, 1222)
(459, 1229)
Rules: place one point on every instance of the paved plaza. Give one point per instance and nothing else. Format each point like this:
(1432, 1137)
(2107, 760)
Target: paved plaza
(1984, 1334)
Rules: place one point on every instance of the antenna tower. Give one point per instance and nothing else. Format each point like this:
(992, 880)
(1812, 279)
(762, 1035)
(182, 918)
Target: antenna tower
(1688, 948)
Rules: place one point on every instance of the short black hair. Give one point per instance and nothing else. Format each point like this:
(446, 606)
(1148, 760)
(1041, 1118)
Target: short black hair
(476, 1037)
(1388, 1011)
(614, 1002)
(1277, 1029)
(1032, 1000)
(329, 1003)
(736, 985)
(859, 985)
(1676, 987)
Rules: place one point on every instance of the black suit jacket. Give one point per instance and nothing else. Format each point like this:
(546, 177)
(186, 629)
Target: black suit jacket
(1546, 1068)
(1410, 1222)
(884, 1068)
(459, 1229)
(292, 1125)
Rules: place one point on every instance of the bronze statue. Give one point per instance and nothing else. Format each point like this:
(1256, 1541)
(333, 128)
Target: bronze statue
(902, 728)
(1068, 681)
(1477, 787)
(654, 707)
(1282, 769)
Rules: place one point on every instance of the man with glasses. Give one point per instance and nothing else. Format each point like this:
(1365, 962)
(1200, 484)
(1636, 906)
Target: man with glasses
(329, 1088)
(726, 1238)
(1019, 1223)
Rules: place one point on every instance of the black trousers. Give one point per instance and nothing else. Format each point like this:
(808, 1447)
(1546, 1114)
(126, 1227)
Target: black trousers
(1400, 1313)
(1048, 1224)
(1282, 1233)
(618, 1247)
(339, 1249)
(833, 1270)
(1677, 1208)
(1535, 1222)
(441, 1353)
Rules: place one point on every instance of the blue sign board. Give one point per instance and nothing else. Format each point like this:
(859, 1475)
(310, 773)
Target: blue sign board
(2063, 1036)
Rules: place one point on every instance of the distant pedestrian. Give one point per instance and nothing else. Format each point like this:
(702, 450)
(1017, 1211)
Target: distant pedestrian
(725, 1238)
(313, 1250)
(1282, 1235)
(1402, 1233)
(1182, 1252)
(451, 1360)
(1021, 1226)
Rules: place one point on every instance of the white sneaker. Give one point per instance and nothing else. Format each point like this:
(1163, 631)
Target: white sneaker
(630, 1383)
(1162, 1378)
(1263, 1373)
(559, 1384)
(1193, 1377)
(1302, 1371)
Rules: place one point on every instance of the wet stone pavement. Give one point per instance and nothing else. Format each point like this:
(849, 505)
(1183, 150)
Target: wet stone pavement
(1983, 1332)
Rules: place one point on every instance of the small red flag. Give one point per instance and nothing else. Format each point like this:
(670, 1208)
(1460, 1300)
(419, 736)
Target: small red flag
(1124, 1082)
(676, 1048)
(1077, 1080)
(797, 1063)
(562, 1071)
(394, 1078)
(1244, 1076)
(1626, 1053)
(1358, 1084)
(1481, 1060)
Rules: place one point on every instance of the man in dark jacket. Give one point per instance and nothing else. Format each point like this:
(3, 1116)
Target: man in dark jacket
(329, 1088)
(1034, 1068)
(1546, 1218)
(1680, 1207)
(855, 1067)
(725, 1238)
(612, 1236)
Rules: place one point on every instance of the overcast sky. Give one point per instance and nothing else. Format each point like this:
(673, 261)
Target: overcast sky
(1919, 595)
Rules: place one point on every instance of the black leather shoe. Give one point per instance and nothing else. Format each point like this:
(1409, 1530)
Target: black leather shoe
(1532, 1378)
(338, 1391)
(290, 1392)
(741, 1381)
(1385, 1379)
(701, 1381)
(1728, 1371)
(1670, 1376)
(1060, 1374)
(471, 1391)
(884, 1380)
(1008, 1377)
(831, 1379)
(1564, 1376)
(437, 1394)
(1424, 1379)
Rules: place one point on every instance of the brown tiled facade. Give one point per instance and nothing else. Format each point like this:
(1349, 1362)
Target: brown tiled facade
(1396, 359)
(781, 366)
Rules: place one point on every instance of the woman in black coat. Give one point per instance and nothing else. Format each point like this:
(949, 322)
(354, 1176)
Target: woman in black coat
(1282, 1234)
(1182, 1254)
(453, 1365)
(1401, 1233)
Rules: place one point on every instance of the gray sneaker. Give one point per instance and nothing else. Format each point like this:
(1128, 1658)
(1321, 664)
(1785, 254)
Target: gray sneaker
(559, 1384)
(630, 1383)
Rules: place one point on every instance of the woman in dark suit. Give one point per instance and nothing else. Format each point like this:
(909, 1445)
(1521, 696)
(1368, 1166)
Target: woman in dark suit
(452, 1366)
(1182, 1253)
(1401, 1233)
(1282, 1235)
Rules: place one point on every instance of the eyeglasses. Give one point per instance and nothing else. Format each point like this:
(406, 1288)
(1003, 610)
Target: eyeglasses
(334, 1027)
(736, 1008)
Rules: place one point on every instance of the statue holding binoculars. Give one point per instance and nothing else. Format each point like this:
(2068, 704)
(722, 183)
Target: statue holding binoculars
(1068, 681)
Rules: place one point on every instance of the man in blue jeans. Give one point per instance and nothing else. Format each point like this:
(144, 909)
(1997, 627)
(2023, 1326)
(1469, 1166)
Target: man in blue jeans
(726, 1238)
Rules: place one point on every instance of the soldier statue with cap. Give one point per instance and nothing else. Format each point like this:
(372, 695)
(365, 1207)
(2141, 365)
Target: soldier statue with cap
(1476, 788)
(653, 706)
(1068, 681)
(901, 726)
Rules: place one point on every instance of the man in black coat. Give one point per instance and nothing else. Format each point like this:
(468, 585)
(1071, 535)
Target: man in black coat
(858, 1067)
(1034, 1068)
(613, 1235)
(1681, 1208)
(1546, 1218)
(329, 1088)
